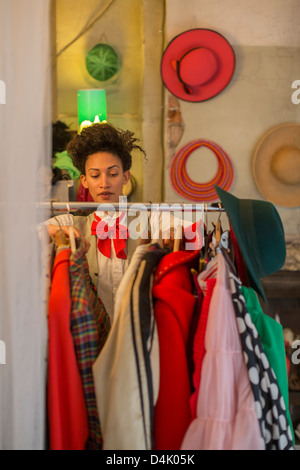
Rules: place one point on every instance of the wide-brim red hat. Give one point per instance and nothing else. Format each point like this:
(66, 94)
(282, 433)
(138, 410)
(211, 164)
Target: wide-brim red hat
(197, 64)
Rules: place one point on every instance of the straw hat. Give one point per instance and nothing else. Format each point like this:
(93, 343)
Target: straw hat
(276, 165)
(197, 64)
(260, 235)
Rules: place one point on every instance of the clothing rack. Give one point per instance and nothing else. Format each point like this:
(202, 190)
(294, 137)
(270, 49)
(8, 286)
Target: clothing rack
(140, 206)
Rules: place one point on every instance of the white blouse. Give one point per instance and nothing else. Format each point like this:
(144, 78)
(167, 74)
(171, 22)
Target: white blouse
(110, 270)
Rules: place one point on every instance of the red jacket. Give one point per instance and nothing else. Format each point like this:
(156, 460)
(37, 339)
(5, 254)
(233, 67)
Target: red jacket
(68, 426)
(173, 310)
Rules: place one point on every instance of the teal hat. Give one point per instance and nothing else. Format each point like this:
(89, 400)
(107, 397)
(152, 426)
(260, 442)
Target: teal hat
(260, 235)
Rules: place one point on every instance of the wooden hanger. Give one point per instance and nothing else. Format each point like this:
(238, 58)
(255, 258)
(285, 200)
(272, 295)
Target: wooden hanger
(158, 240)
(218, 228)
(59, 237)
(71, 233)
(177, 237)
(215, 243)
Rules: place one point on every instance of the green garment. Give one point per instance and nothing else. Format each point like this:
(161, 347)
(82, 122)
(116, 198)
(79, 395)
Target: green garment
(271, 334)
(64, 162)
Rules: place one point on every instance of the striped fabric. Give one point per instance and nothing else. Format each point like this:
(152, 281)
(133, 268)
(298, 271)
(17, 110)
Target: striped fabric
(126, 373)
(143, 329)
(90, 326)
(200, 192)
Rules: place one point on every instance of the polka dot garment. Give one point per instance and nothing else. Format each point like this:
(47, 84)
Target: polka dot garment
(270, 406)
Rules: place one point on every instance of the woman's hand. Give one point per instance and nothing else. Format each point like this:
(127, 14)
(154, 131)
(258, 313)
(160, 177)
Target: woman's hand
(53, 229)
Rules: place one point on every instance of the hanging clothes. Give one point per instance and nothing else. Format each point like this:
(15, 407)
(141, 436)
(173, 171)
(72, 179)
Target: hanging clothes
(199, 344)
(226, 415)
(126, 373)
(205, 286)
(193, 326)
(173, 309)
(90, 326)
(269, 403)
(68, 426)
(271, 335)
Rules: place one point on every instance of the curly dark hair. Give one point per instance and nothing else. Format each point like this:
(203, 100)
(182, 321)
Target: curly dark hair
(102, 137)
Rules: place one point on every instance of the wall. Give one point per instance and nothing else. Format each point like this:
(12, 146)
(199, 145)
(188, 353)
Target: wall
(152, 129)
(265, 36)
(120, 24)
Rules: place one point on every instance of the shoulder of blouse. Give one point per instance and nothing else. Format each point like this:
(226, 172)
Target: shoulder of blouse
(63, 219)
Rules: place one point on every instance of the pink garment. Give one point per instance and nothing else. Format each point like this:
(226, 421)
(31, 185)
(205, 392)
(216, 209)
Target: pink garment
(199, 345)
(226, 416)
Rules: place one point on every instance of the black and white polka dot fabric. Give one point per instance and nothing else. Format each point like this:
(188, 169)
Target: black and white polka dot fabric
(269, 403)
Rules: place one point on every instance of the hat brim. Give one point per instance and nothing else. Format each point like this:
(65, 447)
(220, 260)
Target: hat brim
(192, 39)
(231, 205)
(271, 188)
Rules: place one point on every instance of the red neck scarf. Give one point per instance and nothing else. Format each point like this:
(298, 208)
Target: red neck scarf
(118, 233)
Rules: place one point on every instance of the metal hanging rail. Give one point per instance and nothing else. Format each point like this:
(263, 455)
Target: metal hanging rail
(138, 206)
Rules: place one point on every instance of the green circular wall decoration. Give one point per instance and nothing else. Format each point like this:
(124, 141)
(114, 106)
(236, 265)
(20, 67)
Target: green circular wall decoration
(102, 62)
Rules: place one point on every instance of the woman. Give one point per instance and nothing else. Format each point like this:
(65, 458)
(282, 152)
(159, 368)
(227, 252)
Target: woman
(102, 153)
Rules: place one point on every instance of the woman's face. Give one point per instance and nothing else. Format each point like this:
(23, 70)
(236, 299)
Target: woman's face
(104, 177)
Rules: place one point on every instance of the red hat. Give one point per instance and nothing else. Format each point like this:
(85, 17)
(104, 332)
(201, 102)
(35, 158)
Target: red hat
(197, 64)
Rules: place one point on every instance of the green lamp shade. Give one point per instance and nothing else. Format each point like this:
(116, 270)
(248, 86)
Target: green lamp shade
(91, 106)
(102, 62)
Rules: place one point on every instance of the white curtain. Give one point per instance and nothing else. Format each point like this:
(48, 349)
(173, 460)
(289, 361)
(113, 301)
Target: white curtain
(25, 159)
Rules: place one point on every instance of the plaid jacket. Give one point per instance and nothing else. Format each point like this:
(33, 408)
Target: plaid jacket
(90, 326)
